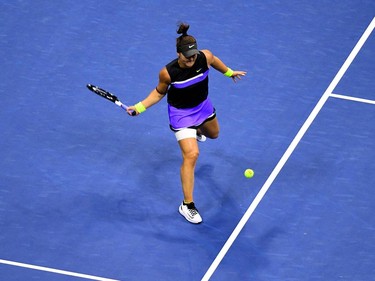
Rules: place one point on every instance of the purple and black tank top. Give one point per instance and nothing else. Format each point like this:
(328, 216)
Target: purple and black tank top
(188, 103)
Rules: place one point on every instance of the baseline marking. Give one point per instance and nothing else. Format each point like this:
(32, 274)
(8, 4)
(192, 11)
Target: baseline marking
(53, 270)
(352, 98)
(288, 152)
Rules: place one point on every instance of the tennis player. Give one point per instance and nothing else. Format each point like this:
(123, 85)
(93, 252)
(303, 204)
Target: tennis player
(192, 116)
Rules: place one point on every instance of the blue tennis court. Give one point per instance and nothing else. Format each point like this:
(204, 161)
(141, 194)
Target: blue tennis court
(90, 193)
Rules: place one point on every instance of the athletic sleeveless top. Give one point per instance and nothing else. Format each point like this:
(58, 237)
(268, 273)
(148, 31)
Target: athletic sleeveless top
(189, 86)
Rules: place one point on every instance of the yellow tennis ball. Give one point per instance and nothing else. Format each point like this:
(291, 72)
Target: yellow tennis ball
(249, 173)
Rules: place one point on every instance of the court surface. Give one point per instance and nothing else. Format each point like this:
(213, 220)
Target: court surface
(90, 193)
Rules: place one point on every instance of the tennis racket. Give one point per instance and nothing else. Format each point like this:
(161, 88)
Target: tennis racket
(107, 95)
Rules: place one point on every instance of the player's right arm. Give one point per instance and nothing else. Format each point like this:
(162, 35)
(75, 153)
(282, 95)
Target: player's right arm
(155, 95)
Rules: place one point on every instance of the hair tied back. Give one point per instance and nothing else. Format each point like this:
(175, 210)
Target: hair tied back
(183, 28)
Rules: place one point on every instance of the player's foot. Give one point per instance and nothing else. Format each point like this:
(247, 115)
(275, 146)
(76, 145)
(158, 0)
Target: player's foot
(190, 212)
(201, 138)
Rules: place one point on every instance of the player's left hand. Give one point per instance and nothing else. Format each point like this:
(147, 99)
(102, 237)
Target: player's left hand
(237, 74)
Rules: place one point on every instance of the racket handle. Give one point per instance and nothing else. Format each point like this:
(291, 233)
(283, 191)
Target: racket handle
(123, 106)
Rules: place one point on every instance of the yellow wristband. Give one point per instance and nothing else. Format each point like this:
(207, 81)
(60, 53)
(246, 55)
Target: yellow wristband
(140, 107)
(229, 73)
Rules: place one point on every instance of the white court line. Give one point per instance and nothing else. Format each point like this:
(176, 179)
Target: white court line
(352, 98)
(53, 270)
(288, 152)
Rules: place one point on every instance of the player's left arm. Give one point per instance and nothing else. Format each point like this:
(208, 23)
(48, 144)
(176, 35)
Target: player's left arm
(220, 66)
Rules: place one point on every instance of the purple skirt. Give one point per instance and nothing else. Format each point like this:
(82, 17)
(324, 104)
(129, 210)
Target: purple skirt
(180, 118)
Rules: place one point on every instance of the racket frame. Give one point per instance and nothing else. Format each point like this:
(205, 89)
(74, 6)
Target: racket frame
(108, 96)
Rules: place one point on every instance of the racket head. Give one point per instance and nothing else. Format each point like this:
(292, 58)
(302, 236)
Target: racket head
(103, 93)
(107, 95)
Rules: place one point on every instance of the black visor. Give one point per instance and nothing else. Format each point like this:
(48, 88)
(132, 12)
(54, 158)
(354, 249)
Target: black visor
(188, 50)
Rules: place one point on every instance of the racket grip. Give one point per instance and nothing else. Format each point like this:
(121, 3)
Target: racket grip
(123, 106)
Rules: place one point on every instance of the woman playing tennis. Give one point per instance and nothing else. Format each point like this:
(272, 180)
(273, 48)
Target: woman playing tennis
(192, 116)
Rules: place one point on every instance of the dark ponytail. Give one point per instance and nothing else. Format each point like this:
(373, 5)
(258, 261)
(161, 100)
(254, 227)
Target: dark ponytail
(184, 38)
(183, 28)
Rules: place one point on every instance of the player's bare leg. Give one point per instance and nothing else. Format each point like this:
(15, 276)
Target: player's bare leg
(190, 153)
(210, 129)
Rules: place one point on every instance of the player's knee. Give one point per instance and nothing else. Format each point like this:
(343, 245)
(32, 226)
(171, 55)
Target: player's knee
(194, 155)
(191, 155)
(215, 135)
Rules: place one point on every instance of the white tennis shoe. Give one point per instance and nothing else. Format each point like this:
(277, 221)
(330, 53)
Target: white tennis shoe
(201, 138)
(190, 213)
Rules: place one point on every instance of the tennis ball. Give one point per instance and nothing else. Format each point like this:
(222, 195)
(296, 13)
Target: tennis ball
(249, 173)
